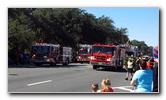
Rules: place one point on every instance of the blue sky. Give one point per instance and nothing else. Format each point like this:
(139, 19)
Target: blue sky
(142, 23)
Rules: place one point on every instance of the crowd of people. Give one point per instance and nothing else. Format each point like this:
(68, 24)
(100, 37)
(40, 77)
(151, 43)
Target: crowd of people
(146, 78)
(143, 75)
(19, 58)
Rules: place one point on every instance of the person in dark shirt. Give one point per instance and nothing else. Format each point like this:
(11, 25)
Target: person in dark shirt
(155, 70)
(155, 78)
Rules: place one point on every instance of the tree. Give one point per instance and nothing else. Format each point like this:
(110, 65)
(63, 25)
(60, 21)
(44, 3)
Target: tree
(142, 47)
(64, 26)
(19, 33)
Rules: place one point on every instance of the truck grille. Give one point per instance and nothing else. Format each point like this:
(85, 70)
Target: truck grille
(101, 57)
(84, 56)
(39, 55)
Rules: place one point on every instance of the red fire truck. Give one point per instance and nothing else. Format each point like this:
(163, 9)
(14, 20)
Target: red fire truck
(107, 56)
(84, 52)
(47, 53)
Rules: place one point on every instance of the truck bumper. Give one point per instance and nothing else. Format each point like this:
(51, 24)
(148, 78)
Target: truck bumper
(102, 64)
(83, 60)
(43, 61)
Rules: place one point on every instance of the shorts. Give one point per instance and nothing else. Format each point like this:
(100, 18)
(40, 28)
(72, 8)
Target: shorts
(130, 70)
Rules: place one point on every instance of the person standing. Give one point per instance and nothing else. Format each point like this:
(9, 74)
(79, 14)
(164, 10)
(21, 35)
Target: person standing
(137, 63)
(125, 63)
(142, 79)
(129, 69)
(155, 69)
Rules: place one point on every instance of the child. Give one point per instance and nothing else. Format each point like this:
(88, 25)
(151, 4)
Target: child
(94, 87)
(106, 85)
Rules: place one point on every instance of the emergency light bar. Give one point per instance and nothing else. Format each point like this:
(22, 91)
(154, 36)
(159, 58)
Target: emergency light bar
(85, 45)
(41, 43)
(98, 44)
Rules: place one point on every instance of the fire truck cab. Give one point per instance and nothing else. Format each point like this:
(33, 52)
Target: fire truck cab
(47, 53)
(107, 56)
(84, 52)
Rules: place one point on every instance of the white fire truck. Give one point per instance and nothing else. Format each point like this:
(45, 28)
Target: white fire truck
(84, 52)
(47, 53)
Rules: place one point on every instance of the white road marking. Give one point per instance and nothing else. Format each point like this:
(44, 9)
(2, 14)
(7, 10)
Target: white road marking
(39, 83)
(124, 88)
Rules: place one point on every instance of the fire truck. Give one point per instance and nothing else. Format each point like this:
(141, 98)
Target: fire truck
(107, 56)
(47, 53)
(131, 50)
(111, 56)
(84, 52)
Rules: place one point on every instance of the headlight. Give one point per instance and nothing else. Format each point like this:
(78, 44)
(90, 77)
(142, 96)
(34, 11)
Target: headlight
(108, 59)
(48, 60)
(34, 55)
(92, 58)
(45, 56)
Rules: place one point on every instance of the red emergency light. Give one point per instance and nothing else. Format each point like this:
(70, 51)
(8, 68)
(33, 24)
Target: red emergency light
(98, 44)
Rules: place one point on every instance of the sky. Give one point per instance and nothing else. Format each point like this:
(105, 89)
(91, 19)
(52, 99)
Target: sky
(142, 23)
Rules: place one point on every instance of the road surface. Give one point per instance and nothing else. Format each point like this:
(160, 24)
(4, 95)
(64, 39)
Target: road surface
(74, 78)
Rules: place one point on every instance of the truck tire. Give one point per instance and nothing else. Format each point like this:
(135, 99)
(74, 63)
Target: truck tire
(66, 61)
(37, 65)
(116, 65)
(52, 64)
(94, 67)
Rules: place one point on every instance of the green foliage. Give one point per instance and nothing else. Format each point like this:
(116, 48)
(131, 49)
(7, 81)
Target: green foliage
(64, 26)
(146, 50)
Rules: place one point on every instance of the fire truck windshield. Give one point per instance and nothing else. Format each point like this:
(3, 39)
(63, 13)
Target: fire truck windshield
(83, 52)
(99, 49)
(40, 49)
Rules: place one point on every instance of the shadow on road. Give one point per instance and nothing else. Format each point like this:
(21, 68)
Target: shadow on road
(112, 70)
(45, 66)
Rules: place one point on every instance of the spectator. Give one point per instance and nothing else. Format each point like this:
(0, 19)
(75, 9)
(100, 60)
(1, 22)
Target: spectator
(150, 63)
(125, 63)
(21, 60)
(142, 79)
(155, 69)
(106, 84)
(137, 63)
(94, 87)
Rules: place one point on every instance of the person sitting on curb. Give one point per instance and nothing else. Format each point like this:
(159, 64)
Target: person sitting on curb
(106, 84)
(94, 87)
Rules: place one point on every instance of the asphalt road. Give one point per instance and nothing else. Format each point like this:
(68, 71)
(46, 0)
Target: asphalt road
(74, 78)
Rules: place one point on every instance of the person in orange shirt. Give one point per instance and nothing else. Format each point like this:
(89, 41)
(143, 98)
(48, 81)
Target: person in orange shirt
(148, 65)
(106, 84)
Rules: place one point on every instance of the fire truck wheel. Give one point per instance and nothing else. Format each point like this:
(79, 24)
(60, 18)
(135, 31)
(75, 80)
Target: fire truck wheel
(66, 62)
(95, 67)
(52, 64)
(115, 68)
(37, 65)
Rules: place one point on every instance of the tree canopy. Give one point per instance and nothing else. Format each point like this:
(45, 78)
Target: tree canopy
(64, 26)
